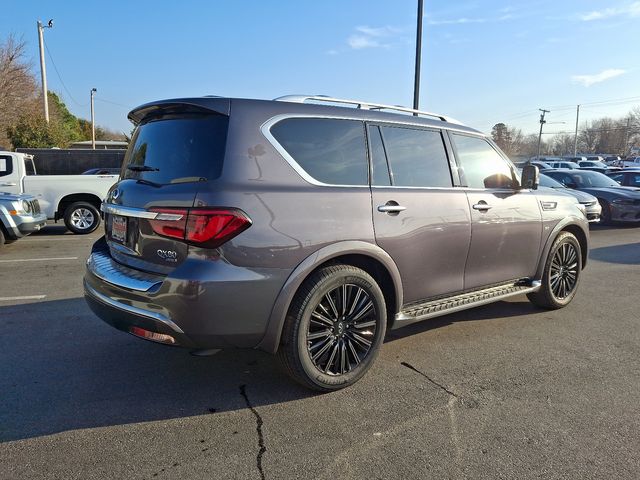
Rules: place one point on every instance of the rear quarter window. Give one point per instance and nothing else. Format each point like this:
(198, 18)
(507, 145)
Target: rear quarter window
(331, 151)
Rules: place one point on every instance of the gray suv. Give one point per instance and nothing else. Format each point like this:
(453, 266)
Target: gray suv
(307, 229)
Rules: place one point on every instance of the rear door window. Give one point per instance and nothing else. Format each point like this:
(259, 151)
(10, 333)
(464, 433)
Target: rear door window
(178, 149)
(417, 158)
(331, 151)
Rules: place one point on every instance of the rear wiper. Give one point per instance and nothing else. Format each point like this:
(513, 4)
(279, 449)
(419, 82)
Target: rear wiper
(142, 168)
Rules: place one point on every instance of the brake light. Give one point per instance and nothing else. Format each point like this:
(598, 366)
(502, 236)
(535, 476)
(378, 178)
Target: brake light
(153, 336)
(206, 227)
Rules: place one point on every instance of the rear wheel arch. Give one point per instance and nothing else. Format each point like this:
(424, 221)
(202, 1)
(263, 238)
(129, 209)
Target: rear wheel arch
(367, 256)
(68, 200)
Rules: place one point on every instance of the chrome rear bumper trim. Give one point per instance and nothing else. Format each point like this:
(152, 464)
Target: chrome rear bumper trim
(106, 268)
(158, 317)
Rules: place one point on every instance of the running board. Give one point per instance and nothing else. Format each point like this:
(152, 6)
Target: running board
(444, 306)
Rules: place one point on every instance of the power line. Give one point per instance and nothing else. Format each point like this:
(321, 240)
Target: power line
(114, 103)
(60, 77)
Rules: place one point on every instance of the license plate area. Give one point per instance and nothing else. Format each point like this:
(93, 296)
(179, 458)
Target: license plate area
(119, 229)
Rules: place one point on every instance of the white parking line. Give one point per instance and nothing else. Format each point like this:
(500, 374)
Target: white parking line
(38, 259)
(28, 297)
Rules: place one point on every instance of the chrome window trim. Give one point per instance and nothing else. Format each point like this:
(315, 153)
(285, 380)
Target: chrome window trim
(265, 128)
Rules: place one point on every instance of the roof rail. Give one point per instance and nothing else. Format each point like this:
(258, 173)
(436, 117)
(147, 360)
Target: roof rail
(363, 105)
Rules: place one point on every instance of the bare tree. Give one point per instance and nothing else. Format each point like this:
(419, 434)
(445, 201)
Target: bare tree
(509, 139)
(18, 89)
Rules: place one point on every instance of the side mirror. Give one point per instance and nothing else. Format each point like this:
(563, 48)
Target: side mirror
(530, 177)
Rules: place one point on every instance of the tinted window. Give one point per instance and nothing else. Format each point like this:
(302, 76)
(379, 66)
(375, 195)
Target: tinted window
(29, 167)
(617, 177)
(378, 158)
(182, 149)
(482, 166)
(331, 151)
(417, 158)
(6, 165)
(634, 180)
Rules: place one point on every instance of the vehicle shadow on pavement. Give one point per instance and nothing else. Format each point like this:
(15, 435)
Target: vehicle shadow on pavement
(492, 311)
(64, 369)
(628, 254)
(53, 230)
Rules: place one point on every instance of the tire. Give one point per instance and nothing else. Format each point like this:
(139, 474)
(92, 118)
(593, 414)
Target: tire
(561, 276)
(81, 218)
(337, 356)
(605, 216)
(3, 239)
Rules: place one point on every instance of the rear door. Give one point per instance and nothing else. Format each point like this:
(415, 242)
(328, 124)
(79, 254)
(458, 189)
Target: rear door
(172, 154)
(419, 218)
(506, 223)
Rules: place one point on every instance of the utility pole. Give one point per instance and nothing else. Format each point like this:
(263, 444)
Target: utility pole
(43, 70)
(93, 121)
(416, 80)
(626, 138)
(575, 137)
(542, 122)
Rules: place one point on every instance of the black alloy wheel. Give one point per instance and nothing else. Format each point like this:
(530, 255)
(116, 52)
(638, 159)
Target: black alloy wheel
(334, 328)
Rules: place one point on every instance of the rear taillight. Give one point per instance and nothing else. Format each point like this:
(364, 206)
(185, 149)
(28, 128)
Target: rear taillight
(205, 227)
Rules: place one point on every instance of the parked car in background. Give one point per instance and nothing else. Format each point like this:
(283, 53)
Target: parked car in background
(613, 160)
(564, 164)
(574, 159)
(629, 177)
(592, 207)
(308, 229)
(633, 162)
(102, 171)
(74, 198)
(619, 204)
(20, 215)
(596, 166)
(541, 165)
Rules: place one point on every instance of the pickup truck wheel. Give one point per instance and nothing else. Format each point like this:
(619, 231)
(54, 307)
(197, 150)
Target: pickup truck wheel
(2, 238)
(81, 218)
(561, 274)
(334, 328)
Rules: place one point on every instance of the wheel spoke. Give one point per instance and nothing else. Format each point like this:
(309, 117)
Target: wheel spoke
(319, 334)
(321, 318)
(327, 345)
(363, 310)
(371, 323)
(343, 358)
(332, 304)
(331, 358)
(355, 355)
(355, 301)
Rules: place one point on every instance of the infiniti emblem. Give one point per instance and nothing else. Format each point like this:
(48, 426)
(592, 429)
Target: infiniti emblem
(115, 194)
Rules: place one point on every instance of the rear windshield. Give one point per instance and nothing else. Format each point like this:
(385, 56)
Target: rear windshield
(177, 149)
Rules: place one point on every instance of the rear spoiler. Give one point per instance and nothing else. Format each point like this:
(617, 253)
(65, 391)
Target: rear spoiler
(217, 105)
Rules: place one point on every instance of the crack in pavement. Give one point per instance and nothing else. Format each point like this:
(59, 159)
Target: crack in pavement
(259, 423)
(411, 367)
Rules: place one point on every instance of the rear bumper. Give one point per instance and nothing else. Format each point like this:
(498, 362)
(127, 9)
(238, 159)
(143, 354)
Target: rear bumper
(201, 304)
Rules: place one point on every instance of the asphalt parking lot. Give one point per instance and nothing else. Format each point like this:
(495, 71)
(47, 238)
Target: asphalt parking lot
(502, 391)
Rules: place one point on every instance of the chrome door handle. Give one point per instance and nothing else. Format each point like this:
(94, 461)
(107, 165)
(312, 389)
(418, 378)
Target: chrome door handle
(391, 208)
(8, 184)
(483, 207)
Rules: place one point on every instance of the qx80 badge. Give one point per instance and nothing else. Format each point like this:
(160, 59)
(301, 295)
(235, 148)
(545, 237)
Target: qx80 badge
(168, 255)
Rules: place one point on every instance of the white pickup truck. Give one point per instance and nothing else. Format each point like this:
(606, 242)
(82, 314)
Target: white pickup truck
(74, 198)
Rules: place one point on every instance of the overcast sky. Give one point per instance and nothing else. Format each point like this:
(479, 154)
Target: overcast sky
(483, 61)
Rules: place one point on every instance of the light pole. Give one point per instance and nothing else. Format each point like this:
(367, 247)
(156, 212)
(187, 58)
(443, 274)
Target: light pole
(542, 122)
(416, 79)
(575, 136)
(43, 70)
(93, 121)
